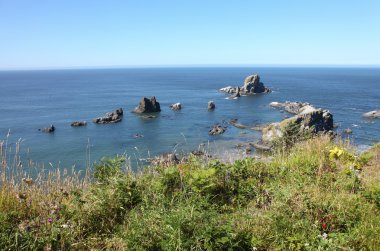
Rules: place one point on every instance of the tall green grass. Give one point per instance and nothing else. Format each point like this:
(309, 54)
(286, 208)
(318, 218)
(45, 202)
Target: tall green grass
(312, 196)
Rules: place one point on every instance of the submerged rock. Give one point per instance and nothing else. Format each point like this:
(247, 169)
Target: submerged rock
(110, 117)
(176, 106)
(252, 85)
(234, 123)
(148, 105)
(348, 131)
(372, 114)
(217, 129)
(79, 123)
(47, 129)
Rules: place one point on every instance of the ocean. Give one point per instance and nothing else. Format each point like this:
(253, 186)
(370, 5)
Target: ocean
(30, 100)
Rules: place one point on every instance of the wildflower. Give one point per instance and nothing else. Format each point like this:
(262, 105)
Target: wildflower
(50, 220)
(324, 236)
(335, 153)
(324, 226)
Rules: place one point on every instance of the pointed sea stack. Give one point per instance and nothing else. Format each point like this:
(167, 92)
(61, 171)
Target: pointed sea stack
(148, 105)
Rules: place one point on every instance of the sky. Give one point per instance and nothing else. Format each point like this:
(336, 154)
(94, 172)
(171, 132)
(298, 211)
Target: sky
(90, 33)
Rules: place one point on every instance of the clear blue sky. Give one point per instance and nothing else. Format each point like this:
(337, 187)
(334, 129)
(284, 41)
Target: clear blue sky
(91, 33)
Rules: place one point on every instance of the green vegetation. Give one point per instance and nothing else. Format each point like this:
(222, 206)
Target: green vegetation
(314, 195)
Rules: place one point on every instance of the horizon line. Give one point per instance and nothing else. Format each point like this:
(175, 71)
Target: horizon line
(190, 66)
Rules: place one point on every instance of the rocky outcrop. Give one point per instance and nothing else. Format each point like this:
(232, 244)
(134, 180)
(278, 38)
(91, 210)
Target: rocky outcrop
(372, 114)
(308, 119)
(78, 123)
(291, 107)
(217, 129)
(165, 160)
(210, 105)
(252, 85)
(110, 117)
(47, 129)
(147, 105)
(237, 125)
(176, 106)
(261, 146)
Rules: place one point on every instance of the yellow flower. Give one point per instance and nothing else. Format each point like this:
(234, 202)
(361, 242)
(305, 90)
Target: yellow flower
(335, 153)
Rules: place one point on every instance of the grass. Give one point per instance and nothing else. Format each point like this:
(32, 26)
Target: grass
(314, 195)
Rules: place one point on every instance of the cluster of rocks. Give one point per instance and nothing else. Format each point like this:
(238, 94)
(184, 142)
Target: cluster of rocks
(146, 105)
(110, 117)
(252, 85)
(307, 117)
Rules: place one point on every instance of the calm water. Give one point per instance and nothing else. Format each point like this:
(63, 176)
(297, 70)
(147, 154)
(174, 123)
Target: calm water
(34, 99)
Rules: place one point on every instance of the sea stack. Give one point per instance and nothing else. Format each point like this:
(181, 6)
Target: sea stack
(252, 85)
(147, 105)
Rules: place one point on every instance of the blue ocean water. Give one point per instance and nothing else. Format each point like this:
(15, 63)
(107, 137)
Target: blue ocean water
(34, 99)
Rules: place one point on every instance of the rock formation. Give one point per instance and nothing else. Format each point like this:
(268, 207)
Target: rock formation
(47, 129)
(176, 106)
(348, 131)
(252, 85)
(148, 105)
(238, 125)
(110, 117)
(217, 129)
(167, 159)
(210, 105)
(291, 107)
(372, 114)
(308, 119)
(79, 123)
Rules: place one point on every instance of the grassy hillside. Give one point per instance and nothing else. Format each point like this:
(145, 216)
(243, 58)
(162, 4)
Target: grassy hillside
(317, 195)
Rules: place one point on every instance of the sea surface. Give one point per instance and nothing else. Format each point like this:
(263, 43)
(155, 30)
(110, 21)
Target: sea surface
(30, 100)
